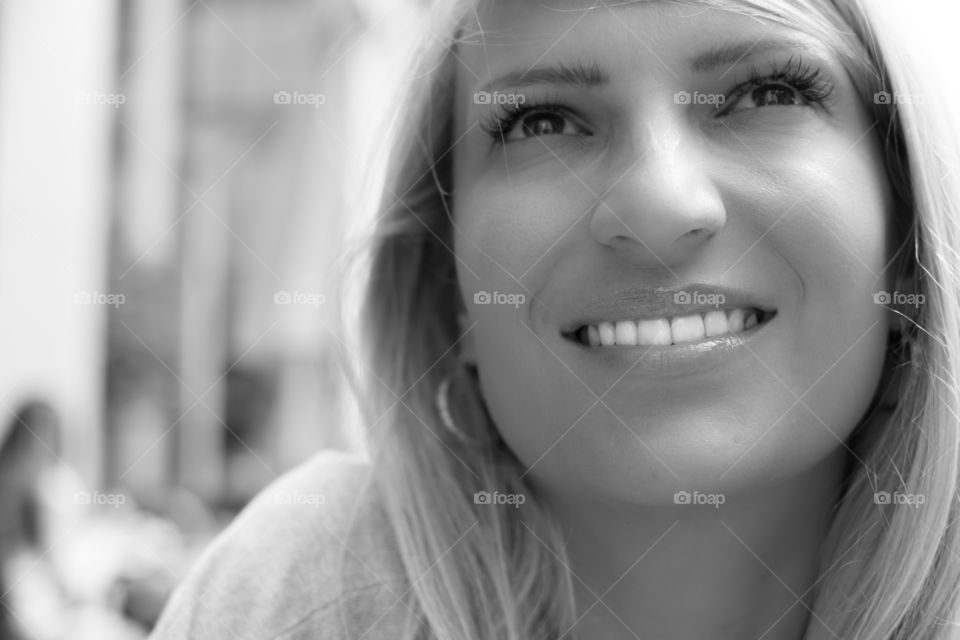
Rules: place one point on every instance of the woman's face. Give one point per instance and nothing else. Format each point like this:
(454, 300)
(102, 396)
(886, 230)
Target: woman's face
(621, 175)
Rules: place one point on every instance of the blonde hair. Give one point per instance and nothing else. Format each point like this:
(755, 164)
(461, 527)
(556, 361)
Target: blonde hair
(485, 573)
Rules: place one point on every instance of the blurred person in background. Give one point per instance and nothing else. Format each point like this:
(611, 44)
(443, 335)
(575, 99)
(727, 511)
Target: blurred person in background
(544, 414)
(74, 564)
(27, 580)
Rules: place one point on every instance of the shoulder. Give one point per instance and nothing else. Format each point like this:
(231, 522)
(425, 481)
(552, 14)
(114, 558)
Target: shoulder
(312, 552)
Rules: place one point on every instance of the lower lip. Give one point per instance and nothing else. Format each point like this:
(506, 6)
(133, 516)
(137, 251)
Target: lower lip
(675, 359)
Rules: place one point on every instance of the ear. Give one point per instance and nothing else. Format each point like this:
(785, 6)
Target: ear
(467, 346)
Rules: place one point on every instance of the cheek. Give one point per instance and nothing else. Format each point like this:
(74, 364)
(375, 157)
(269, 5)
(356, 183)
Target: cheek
(503, 240)
(835, 238)
(835, 241)
(836, 229)
(511, 228)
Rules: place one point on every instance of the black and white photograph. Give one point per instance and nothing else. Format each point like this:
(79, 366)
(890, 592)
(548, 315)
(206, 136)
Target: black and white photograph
(479, 320)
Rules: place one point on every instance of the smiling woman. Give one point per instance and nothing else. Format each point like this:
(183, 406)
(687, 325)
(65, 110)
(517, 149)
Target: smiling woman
(663, 322)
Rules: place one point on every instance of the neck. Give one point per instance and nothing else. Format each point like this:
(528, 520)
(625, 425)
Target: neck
(744, 570)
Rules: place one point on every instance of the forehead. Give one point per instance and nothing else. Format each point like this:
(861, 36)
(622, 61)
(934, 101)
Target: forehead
(506, 34)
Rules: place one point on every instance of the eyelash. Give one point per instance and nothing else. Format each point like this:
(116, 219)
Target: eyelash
(810, 82)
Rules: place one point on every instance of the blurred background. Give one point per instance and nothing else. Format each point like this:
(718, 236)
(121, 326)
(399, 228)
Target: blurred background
(179, 180)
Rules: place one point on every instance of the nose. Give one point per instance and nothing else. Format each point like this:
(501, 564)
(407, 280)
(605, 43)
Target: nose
(665, 205)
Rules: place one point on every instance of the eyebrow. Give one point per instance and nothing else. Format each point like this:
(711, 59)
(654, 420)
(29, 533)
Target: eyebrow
(576, 74)
(579, 74)
(730, 53)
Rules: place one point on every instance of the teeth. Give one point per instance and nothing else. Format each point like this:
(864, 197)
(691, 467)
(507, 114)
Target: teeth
(735, 320)
(626, 333)
(654, 332)
(607, 334)
(687, 328)
(665, 331)
(593, 336)
(715, 323)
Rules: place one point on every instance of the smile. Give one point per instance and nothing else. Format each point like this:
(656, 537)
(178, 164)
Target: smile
(673, 330)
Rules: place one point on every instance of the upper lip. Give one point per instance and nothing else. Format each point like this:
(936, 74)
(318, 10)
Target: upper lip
(636, 302)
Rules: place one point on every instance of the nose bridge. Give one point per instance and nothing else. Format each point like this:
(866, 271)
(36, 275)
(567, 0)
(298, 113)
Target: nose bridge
(659, 157)
(664, 198)
(660, 133)
(654, 163)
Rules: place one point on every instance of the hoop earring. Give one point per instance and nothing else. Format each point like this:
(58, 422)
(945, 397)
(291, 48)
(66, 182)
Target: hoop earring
(892, 381)
(442, 403)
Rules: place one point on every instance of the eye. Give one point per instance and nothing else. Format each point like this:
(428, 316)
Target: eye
(766, 95)
(793, 83)
(770, 94)
(542, 123)
(521, 122)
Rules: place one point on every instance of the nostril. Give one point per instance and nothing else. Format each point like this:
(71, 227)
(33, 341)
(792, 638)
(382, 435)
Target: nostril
(696, 234)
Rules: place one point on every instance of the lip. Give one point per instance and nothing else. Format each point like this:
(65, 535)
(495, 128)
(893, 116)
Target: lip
(675, 359)
(648, 303)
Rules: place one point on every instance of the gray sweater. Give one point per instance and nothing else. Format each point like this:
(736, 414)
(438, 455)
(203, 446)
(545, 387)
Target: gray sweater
(273, 574)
